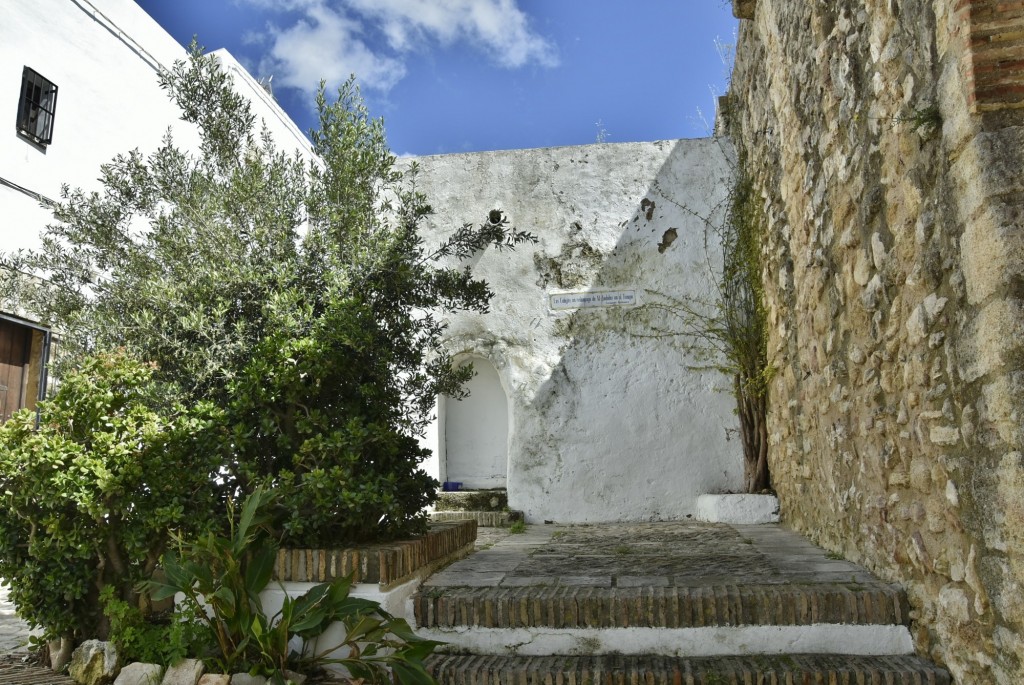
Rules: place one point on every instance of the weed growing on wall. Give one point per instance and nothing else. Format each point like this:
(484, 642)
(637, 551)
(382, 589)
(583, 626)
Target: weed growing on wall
(727, 331)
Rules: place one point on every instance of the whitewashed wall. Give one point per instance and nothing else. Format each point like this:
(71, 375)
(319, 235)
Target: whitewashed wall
(603, 425)
(103, 56)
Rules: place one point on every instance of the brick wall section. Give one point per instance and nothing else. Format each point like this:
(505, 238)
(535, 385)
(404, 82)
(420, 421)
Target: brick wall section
(994, 63)
(486, 519)
(659, 670)
(385, 564)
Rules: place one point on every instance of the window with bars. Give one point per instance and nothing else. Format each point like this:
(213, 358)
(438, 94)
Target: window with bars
(36, 107)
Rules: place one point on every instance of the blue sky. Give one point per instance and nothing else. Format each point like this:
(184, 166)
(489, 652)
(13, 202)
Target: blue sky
(468, 75)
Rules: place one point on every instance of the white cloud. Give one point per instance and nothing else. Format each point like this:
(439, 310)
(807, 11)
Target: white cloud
(325, 44)
(329, 40)
(496, 27)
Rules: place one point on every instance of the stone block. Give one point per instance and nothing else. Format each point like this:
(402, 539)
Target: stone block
(185, 672)
(215, 679)
(95, 663)
(139, 673)
(738, 508)
(246, 679)
(744, 9)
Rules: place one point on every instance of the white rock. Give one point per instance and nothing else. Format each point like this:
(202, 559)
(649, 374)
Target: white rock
(246, 679)
(944, 435)
(185, 672)
(952, 496)
(917, 327)
(140, 674)
(862, 270)
(955, 603)
(933, 306)
(878, 251)
(215, 679)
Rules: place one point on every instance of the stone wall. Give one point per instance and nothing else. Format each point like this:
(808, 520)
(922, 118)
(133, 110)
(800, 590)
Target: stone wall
(886, 140)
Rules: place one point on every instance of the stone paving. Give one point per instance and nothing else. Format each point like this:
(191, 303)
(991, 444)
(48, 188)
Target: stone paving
(687, 554)
(663, 604)
(670, 554)
(14, 632)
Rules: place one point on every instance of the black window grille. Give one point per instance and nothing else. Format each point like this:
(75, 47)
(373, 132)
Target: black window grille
(36, 107)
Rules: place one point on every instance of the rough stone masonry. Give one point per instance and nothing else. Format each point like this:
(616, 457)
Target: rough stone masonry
(886, 139)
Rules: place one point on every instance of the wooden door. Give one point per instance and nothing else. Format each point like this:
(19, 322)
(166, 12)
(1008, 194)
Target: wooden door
(15, 353)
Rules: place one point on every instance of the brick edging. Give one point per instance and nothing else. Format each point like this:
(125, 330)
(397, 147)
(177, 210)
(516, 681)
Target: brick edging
(660, 670)
(385, 564)
(672, 607)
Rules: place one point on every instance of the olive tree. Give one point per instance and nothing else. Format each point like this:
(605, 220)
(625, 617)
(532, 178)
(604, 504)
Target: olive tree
(294, 293)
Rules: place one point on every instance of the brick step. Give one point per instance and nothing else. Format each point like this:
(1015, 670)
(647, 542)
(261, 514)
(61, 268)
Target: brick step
(484, 519)
(472, 500)
(454, 669)
(570, 607)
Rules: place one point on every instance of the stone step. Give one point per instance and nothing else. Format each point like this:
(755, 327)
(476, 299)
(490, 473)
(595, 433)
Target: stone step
(484, 519)
(472, 500)
(678, 590)
(454, 669)
(644, 606)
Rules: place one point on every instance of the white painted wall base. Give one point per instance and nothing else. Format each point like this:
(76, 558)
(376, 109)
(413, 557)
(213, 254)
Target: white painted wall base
(394, 601)
(871, 640)
(738, 508)
(397, 601)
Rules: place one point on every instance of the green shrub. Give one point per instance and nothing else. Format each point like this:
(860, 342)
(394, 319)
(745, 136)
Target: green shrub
(150, 638)
(89, 499)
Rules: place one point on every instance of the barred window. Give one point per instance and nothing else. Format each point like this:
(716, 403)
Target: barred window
(36, 107)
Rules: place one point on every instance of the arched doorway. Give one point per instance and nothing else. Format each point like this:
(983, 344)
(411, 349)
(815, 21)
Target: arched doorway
(476, 431)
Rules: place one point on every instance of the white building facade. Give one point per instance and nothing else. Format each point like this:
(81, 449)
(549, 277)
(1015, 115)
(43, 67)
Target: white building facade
(78, 83)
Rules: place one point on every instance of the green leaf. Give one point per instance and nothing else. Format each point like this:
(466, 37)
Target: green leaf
(256, 627)
(260, 569)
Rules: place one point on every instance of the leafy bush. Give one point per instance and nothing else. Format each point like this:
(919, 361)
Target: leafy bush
(220, 579)
(296, 295)
(90, 497)
(150, 638)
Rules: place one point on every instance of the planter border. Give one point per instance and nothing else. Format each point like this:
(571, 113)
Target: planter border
(386, 564)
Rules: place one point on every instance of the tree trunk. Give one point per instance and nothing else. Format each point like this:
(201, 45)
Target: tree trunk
(753, 413)
(60, 652)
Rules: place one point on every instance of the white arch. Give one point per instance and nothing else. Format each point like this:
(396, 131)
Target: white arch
(476, 431)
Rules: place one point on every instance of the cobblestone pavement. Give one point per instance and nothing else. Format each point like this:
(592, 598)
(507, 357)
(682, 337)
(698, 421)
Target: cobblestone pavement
(13, 631)
(488, 537)
(670, 554)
